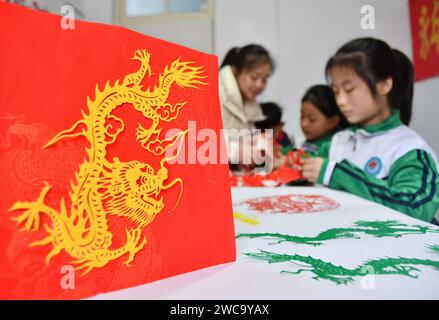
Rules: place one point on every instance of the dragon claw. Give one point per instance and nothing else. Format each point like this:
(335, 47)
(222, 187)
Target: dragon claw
(143, 57)
(344, 281)
(132, 244)
(30, 217)
(88, 266)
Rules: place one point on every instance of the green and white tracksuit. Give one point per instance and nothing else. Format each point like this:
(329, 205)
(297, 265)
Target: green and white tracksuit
(320, 147)
(388, 163)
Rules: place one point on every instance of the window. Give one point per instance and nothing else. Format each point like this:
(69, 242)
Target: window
(186, 22)
(180, 6)
(140, 8)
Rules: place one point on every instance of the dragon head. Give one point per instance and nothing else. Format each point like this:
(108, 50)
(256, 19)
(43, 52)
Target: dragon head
(133, 191)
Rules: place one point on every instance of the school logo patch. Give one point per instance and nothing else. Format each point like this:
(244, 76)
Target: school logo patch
(309, 147)
(373, 166)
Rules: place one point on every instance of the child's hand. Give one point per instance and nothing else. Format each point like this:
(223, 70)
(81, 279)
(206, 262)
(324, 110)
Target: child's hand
(278, 161)
(277, 150)
(311, 169)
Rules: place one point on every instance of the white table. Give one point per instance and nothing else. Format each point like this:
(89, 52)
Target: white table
(250, 278)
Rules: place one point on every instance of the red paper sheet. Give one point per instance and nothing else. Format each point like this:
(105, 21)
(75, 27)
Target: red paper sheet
(96, 198)
(424, 18)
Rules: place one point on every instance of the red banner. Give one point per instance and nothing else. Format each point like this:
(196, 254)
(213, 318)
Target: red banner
(90, 201)
(424, 18)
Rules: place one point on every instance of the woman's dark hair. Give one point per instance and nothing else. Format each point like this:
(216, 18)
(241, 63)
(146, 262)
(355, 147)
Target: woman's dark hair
(273, 116)
(373, 61)
(322, 97)
(247, 57)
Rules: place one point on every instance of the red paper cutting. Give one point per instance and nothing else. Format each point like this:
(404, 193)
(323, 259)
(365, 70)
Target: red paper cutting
(283, 175)
(424, 19)
(291, 203)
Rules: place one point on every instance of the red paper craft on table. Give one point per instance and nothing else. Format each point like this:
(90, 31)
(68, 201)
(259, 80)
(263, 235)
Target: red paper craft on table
(291, 203)
(90, 200)
(283, 175)
(424, 18)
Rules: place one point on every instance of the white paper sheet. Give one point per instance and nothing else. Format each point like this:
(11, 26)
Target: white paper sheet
(250, 278)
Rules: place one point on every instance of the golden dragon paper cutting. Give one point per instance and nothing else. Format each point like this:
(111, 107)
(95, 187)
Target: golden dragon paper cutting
(131, 190)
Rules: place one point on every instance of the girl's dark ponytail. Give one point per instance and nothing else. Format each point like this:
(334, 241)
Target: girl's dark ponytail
(401, 96)
(231, 57)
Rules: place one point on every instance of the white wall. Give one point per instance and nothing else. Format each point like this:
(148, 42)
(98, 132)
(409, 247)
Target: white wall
(238, 23)
(99, 10)
(191, 30)
(194, 33)
(91, 10)
(303, 34)
(426, 111)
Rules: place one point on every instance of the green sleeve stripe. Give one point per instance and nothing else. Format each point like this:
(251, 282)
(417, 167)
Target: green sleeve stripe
(388, 197)
(425, 172)
(432, 189)
(427, 169)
